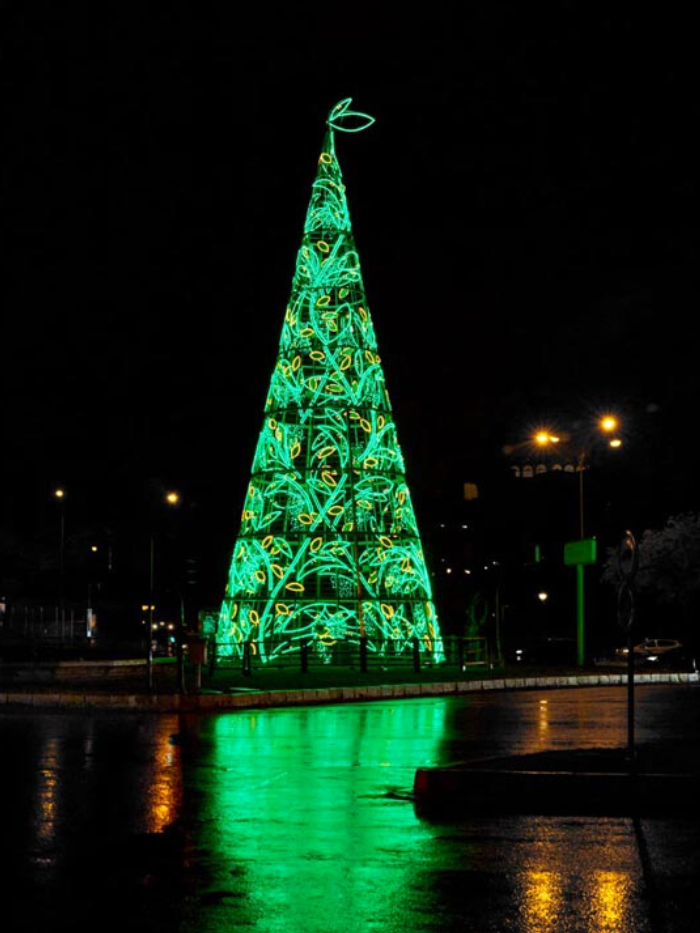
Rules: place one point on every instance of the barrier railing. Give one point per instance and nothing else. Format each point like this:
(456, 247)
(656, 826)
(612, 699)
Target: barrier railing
(457, 652)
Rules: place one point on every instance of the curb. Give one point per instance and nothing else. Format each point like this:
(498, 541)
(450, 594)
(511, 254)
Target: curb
(82, 698)
(583, 793)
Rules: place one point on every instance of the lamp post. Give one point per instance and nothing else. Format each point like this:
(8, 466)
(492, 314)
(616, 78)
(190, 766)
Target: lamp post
(171, 499)
(92, 580)
(60, 495)
(576, 448)
(582, 445)
(149, 613)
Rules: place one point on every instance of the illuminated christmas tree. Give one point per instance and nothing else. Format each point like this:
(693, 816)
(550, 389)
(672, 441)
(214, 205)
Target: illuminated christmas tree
(328, 551)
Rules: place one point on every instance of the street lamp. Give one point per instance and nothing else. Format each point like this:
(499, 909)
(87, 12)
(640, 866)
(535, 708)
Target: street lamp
(60, 495)
(576, 448)
(171, 499)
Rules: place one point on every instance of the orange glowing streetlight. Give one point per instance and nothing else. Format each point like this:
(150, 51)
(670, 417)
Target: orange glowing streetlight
(543, 437)
(60, 495)
(607, 424)
(171, 498)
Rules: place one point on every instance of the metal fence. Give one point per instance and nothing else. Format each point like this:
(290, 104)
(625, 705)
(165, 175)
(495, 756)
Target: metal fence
(457, 652)
(46, 625)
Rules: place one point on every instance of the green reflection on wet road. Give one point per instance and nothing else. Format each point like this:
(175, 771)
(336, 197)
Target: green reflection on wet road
(303, 817)
(301, 821)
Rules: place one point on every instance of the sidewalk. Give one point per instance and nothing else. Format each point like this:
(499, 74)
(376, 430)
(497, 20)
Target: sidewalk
(124, 684)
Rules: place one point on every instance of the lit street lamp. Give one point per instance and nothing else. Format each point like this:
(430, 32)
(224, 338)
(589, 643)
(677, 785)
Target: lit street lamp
(576, 450)
(171, 499)
(580, 447)
(60, 495)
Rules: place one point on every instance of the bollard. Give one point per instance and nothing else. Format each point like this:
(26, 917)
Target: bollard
(211, 655)
(363, 653)
(416, 655)
(197, 653)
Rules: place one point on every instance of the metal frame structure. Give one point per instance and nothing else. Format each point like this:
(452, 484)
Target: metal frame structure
(328, 551)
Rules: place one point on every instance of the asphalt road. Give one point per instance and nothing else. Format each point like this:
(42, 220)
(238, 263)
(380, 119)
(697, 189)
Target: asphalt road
(302, 819)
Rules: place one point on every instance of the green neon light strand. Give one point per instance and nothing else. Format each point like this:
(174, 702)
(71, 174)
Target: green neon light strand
(341, 113)
(328, 546)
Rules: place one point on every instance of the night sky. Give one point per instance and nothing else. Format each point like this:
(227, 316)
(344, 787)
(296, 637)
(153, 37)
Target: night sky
(523, 207)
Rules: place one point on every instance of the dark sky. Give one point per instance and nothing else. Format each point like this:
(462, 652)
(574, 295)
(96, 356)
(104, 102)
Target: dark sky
(524, 209)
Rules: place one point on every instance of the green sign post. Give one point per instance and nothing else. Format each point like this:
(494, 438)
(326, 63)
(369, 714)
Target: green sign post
(578, 554)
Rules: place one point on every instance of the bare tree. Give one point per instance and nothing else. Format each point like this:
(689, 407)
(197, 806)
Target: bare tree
(669, 566)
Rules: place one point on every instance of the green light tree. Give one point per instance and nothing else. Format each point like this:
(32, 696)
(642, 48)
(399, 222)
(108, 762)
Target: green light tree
(328, 551)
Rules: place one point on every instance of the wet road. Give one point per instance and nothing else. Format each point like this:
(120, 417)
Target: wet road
(301, 820)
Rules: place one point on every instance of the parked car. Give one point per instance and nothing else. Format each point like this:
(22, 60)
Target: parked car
(651, 646)
(660, 654)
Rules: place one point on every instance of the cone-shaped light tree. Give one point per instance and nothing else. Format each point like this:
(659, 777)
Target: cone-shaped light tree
(328, 552)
